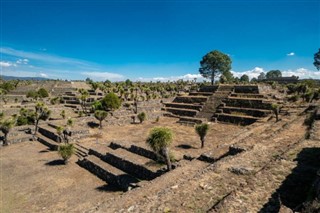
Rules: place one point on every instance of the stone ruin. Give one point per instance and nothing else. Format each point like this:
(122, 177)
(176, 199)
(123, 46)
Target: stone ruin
(238, 104)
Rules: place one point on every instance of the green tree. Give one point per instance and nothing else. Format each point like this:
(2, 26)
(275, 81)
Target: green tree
(33, 95)
(159, 140)
(84, 95)
(261, 76)
(202, 130)
(244, 78)
(66, 151)
(111, 102)
(43, 93)
(41, 113)
(5, 127)
(213, 64)
(100, 115)
(273, 74)
(142, 116)
(316, 62)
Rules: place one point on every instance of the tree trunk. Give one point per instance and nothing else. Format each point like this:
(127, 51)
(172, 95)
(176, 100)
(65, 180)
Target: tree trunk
(212, 78)
(36, 127)
(100, 124)
(167, 158)
(5, 139)
(202, 143)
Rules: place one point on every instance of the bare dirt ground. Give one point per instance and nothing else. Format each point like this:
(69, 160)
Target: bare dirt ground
(33, 181)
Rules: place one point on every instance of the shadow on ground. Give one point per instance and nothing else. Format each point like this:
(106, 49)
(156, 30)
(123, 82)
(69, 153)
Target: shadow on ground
(108, 188)
(55, 163)
(185, 146)
(295, 189)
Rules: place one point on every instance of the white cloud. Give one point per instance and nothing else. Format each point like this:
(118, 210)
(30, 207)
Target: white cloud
(5, 64)
(173, 78)
(43, 75)
(102, 76)
(40, 56)
(291, 54)
(302, 73)
(22, 61)
(254, 73)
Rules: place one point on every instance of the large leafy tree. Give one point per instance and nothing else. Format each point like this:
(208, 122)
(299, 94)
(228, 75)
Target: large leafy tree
(213, 64)
(274, 74)
(159, 140)
(5, 127)
(244, 78)
(261, 76)
(111, 102)
(316, 62)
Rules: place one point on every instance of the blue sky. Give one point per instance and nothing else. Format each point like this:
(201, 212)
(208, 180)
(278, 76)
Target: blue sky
(156, 40)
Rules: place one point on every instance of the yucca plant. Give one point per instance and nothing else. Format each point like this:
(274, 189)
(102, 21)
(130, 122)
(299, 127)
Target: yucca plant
(159, 140)
(202, 130)
(66, 151)
(142, 116)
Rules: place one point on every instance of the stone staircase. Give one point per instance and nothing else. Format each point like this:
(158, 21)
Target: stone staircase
(121, 166)
(244, 106)
(48, 136)
(197, 107)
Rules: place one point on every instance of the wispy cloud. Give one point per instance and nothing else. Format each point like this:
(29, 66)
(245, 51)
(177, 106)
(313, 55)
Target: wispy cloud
(173, 78)
(40, 56)
(5, 64)
(301, 72)
(291, 54)
(53, 66)
(253, 73)
(102, 76)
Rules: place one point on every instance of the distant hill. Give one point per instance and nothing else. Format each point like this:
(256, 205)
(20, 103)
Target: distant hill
(4, 77)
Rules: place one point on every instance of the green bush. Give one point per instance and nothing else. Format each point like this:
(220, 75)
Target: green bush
(66, 151)
(142, 116)
(111, 102)
(43, 93)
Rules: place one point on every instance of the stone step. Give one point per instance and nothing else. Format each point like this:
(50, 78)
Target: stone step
(236, 119)
(184, 119)
(108, 173)
(247, 95)
(208, 88)
(134, 164)
(80, 151)
(246, 111)
(49, 132)
(257, 103)
(200, 93)
(53, 145)
(182, 112)
(191, 99)
(184, 105)
(136, 150)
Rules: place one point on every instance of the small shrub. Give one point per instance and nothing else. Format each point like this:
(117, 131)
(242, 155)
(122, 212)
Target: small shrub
(142, 116)
(66, 151)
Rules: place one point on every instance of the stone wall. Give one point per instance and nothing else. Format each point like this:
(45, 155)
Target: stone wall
(123, 182)
(246, 89)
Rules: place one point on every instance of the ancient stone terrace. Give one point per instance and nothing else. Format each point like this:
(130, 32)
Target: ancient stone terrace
(121, 166)
(199, 106)
(244, 106)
